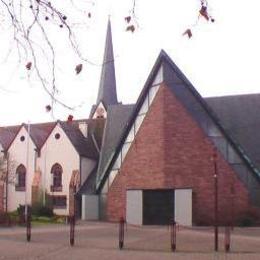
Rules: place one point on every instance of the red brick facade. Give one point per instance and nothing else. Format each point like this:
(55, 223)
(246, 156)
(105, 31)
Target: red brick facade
(171, 151)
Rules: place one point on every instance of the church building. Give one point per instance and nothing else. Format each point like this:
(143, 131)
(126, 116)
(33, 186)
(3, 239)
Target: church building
(171, 155)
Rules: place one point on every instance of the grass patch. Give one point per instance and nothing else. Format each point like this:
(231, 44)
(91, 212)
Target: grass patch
(39, 220)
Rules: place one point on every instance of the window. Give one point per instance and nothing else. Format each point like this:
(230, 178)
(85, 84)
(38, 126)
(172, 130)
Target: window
(57, 136)
(59, 202)
(56, 172)
(20, 178)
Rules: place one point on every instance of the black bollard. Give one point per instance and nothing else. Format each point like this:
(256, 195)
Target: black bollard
(121, 232)
(173, 236)
(72, 230)
(28, 228)
(227, 238)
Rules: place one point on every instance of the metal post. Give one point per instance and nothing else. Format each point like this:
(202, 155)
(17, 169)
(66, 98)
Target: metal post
(73, 219)
(121, 232)
(26, 209)
(7, 181)
(28, 226)
(216, 201)
(173, 236)
(227, 238)
(72, 230)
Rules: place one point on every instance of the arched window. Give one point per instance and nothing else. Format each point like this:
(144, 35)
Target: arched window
(56, 172)
(20, 178)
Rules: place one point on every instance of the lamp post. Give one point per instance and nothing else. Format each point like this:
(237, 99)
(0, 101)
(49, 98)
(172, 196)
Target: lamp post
(215, 200)
(27, 213)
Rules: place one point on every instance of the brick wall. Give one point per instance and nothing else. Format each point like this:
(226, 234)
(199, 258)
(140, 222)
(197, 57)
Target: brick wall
(171, 151)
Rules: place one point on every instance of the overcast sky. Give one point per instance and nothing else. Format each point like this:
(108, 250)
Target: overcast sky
(222, 58)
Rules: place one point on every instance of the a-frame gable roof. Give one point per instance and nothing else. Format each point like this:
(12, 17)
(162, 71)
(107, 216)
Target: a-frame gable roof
(197, 106)
(7, 135)
(192, 101)
(17, 133)
(152, 76)
(39, 132)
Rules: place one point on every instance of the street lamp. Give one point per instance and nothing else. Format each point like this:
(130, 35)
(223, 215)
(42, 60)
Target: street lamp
(215, 199)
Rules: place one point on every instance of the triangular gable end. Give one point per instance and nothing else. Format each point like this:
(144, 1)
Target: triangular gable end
(212, 127)
(57, 128)
(100, 111)
(166, 71)
(143, 103)
(18, 132)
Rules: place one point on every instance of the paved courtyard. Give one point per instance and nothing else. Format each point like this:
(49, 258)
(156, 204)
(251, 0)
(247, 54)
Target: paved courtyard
(95, 240)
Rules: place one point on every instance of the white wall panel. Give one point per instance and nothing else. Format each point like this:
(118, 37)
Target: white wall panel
(112, 176)
(131, 135)
(233, 156)
(125, 149)
(183, 206)
(138, 122)
(87, 165)
(90, 207)
(152, 93)
(144, 107)
(134, 207)
(159, 77)
(117, 163)
(213, 131)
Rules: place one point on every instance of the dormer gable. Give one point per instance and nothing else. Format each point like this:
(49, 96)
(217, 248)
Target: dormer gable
(100, 111)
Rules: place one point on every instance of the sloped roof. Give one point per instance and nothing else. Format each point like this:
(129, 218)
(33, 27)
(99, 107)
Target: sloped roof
(40, 132)
(7, 135)
(117, 118)
(85, 146)
(190, 98)
(96, 128)
(89, 186)
(239, 114)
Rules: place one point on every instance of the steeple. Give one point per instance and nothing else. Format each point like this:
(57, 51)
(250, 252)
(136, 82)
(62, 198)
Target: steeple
(107, 86)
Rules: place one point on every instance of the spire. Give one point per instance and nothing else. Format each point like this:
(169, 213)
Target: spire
(107, 86)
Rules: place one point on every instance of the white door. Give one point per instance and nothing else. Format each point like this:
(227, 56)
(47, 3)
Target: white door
(90, 207)
(183, 206)
(134, 207)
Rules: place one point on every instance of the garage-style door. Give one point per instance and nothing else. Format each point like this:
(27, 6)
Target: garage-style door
(158, 207)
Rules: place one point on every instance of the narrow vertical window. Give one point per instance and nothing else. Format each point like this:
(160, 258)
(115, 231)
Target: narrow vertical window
(56, 172)
(20, 178)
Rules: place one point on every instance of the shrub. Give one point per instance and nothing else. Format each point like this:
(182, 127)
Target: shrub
(40, 210)
(4, 219)
(21, 213)
(248, 219)
(246, 222)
